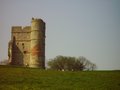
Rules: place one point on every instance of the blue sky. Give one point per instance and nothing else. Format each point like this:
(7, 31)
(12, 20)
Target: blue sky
(89, 28)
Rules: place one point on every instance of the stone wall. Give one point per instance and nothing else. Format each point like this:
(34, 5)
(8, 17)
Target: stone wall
(27, 45)
(21, 46)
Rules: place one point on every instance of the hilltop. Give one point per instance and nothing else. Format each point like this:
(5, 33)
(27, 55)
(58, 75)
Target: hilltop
(21, 78)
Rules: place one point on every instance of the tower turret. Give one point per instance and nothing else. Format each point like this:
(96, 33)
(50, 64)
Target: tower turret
(37, 48)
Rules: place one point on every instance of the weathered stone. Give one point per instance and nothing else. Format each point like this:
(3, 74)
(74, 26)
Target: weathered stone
(27, 45)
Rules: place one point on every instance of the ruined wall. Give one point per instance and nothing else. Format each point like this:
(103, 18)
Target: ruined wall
(27, 45)
(21, 45)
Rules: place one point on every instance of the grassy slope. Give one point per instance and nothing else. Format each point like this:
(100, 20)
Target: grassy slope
(16, 78)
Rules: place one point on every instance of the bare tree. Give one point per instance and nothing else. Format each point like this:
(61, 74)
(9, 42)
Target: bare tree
(66, 63)
(93, 66)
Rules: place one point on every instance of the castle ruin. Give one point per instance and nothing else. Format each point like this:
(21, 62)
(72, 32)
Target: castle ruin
(27, 45)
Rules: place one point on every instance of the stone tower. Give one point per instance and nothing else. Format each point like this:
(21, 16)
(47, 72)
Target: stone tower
(37, 55)
(27, 45)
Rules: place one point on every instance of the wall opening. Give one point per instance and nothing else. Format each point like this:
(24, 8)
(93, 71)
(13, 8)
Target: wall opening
(23, 45)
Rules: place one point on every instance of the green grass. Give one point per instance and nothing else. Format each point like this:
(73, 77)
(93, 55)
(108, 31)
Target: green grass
(17, 78)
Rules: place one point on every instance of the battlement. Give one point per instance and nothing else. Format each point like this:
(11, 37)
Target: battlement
(26, 29)
(20, 29)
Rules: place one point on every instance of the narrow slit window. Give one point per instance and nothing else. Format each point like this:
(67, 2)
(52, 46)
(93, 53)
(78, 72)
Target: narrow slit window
(23, 45)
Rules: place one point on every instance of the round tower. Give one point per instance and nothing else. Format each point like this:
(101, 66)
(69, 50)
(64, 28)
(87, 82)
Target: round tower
(37, 47)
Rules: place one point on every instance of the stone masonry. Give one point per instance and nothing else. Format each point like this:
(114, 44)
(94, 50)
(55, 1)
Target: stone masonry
(27, 45)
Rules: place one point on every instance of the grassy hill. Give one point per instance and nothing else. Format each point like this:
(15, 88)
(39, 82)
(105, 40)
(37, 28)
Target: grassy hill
(17, 78)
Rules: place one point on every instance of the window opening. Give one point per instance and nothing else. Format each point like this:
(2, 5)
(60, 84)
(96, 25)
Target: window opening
(23, 45)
